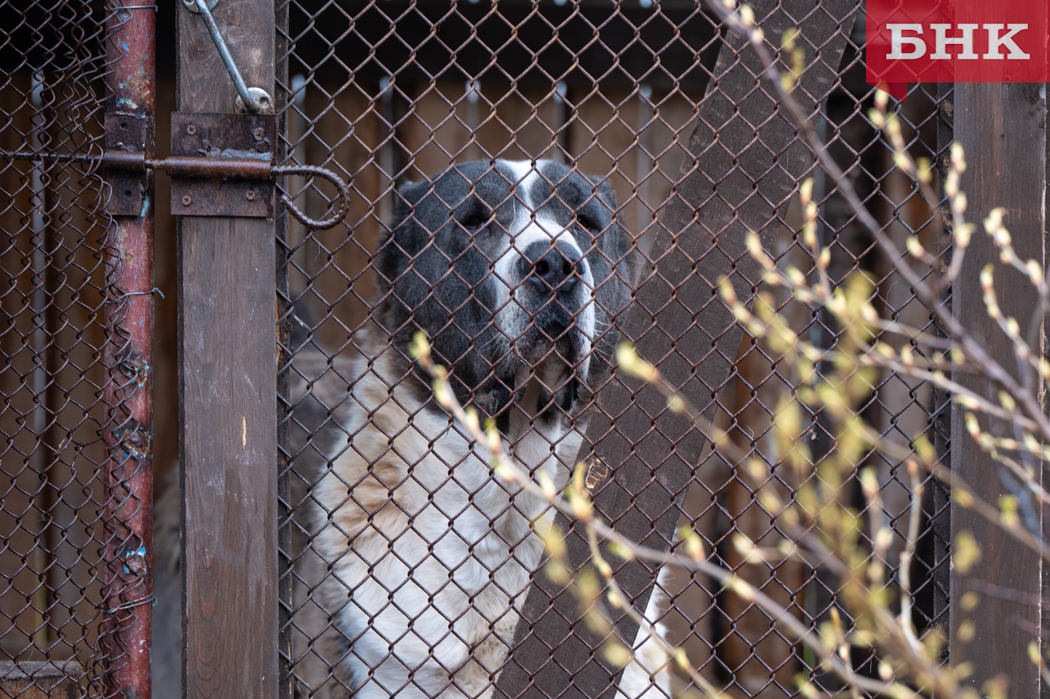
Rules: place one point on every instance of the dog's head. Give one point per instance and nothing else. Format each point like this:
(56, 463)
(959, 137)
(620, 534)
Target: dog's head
(515, 271)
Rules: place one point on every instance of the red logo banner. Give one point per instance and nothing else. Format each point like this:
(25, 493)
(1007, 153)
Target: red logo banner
(973, 41)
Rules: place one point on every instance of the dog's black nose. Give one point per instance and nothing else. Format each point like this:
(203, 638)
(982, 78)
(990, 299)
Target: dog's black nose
(552, 267)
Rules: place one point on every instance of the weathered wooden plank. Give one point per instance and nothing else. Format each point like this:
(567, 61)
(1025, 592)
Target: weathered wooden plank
(739, 142)
(1002, 129)
(227, 391)
(40, 679)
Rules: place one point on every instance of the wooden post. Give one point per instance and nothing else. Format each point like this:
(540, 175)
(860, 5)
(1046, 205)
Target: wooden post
(36, 679)
(227, 394)
(1002, 129)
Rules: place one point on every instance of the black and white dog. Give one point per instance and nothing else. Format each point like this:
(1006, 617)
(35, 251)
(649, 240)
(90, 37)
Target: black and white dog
(515, 272)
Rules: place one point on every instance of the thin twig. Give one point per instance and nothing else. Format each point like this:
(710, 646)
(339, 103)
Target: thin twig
(914, 517)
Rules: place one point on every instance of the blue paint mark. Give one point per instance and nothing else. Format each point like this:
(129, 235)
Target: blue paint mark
(141, 553)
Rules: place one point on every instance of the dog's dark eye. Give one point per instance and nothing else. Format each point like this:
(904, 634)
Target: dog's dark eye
(580, 228)
(588, 223)
(474, 221)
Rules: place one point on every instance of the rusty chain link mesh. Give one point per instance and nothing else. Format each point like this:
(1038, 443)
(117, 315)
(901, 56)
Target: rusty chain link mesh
(385, 93)
(61, 302)
(390, 92)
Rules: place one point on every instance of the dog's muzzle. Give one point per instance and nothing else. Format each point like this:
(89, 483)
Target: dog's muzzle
(552, 270)
(552, 291)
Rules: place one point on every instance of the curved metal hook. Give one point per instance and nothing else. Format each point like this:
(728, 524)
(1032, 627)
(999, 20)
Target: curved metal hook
(314, 171)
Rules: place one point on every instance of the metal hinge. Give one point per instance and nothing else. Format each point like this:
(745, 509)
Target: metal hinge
(220, 165)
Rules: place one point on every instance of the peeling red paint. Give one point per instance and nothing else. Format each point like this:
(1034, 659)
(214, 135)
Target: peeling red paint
(129, 390)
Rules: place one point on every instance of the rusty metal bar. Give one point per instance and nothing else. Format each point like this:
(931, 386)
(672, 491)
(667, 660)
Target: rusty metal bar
(261, 169)
(127, 599)
(239, 168)
(242, 168)
(175, 166)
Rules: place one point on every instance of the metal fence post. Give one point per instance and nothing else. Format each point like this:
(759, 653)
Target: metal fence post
(128, 395)
(1002, 129)
(227, 393)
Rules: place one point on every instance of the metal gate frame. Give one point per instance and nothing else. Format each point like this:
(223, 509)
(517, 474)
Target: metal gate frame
(128, 593)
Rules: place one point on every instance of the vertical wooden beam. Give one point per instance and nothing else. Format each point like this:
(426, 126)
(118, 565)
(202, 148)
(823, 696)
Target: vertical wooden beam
(1003, 131)
(227, 394)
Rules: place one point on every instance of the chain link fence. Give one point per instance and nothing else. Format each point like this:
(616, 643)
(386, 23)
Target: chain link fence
(405, 565)
(393, 96)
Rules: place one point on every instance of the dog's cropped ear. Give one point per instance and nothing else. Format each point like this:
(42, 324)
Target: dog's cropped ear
(634, 263)
(604, 191)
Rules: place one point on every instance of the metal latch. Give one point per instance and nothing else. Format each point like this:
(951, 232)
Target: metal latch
(220, 165)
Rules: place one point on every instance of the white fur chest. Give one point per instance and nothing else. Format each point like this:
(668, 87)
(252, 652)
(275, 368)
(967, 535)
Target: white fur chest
(430, 554)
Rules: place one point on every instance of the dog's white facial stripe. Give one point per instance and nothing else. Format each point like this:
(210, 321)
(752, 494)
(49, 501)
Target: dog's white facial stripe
(522, 173)
(531, 226)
